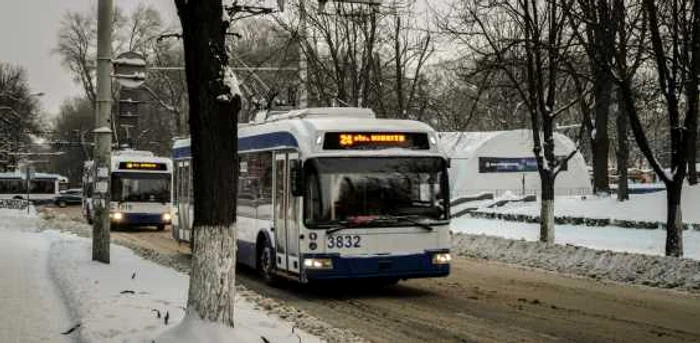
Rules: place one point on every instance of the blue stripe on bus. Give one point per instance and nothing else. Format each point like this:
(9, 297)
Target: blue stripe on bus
(403, 267)
(182, 152)
(267, 140)
(259, 142)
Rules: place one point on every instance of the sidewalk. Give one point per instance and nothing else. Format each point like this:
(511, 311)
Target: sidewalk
(31, 309)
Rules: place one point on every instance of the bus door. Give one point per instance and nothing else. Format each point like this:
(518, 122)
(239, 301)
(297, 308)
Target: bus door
(286, 212)
(184, 201)
(280, 222)
(292, 220)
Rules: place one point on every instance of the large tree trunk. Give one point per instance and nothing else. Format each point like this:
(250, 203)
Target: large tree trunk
(213, 123)
(213, 279)
(547, 208)
(674, 219)
(622, 153)
(601, 142)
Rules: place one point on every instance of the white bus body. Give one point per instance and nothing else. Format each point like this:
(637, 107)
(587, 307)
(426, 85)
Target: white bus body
(334, 193)
(43, 187)
(140, 192)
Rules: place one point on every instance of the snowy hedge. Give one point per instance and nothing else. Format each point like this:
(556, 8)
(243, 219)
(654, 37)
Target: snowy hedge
(526, 218)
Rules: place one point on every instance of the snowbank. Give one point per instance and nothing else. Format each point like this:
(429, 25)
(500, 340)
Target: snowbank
(657, 271)
(641, 207)
(130, 299)
(30, 305)
(52, 219)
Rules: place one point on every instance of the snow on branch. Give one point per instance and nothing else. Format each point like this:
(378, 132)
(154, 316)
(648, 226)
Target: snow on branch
(231, 81)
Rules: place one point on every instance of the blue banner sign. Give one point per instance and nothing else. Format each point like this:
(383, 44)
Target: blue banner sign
(510, 164)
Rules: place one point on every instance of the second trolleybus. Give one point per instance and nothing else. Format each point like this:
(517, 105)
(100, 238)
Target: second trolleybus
(334, 193)
(140, 193)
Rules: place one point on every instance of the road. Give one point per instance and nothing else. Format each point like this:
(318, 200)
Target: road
(481, 301)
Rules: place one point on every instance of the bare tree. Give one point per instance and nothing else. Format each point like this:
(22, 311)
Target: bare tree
(214, 103)
(363, 54)
(18, 112)
(76, 44)
(674, 28)
(598, 40)
(536, 31)
(73, 130)
(596, 25)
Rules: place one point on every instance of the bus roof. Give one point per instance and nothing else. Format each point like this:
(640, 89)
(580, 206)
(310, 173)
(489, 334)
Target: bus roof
(303, 130)
(19, 175)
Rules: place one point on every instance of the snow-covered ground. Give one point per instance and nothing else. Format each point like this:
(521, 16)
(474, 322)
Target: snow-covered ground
(119, 302)
(600, 238)
(641, 207)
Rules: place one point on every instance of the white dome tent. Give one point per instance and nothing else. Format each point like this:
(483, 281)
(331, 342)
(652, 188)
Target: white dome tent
(502, 161)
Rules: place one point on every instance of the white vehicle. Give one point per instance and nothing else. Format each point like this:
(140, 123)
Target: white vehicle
(140, 193)
(334, 193)
(43, 187)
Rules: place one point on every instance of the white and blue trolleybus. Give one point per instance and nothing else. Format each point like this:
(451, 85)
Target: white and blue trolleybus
(334, 193)
(37, 187)
(140, 193)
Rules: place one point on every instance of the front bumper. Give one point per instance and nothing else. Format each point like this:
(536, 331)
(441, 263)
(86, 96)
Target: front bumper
(378, 266)
(140, 219)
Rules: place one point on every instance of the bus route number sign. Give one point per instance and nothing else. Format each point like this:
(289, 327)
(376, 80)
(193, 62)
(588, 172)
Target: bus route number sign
(375, 140)
(142, 166)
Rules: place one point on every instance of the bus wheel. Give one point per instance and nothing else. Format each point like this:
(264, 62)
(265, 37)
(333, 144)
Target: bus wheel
(266, 264)
(160, 227)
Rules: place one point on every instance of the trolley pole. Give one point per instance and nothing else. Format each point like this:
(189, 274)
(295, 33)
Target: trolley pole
(303, 72)
(103, 134)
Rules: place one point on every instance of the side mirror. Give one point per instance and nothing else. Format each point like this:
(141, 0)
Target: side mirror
(296, 178)
(448, 163)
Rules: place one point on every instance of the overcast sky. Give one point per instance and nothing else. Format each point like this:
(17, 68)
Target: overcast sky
(28, 34)
(28, 31)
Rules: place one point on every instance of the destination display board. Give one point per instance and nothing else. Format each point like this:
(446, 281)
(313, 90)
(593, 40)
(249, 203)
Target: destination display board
(511, 164)
(142, 166)
(375, 140)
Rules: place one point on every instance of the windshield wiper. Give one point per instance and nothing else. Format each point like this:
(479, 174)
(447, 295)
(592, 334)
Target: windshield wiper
(338, 226)
(415, 222)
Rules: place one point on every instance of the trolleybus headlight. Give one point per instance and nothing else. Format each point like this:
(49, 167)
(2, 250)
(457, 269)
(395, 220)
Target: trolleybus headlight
(442, 258)
(318, 263)
(117, 216)
(167, 217)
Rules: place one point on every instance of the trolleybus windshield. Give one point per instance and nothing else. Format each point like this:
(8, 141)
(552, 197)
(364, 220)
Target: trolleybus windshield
(375, 191)
(141, 187)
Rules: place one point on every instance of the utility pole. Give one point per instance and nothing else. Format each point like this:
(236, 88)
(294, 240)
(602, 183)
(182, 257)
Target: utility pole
(103, 134)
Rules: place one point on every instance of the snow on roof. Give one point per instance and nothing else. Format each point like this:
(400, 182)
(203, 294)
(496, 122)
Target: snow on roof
(321, 112)
(182, 142)
(464, 144)
(20, 174)
(129, 152)
(136, 62)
